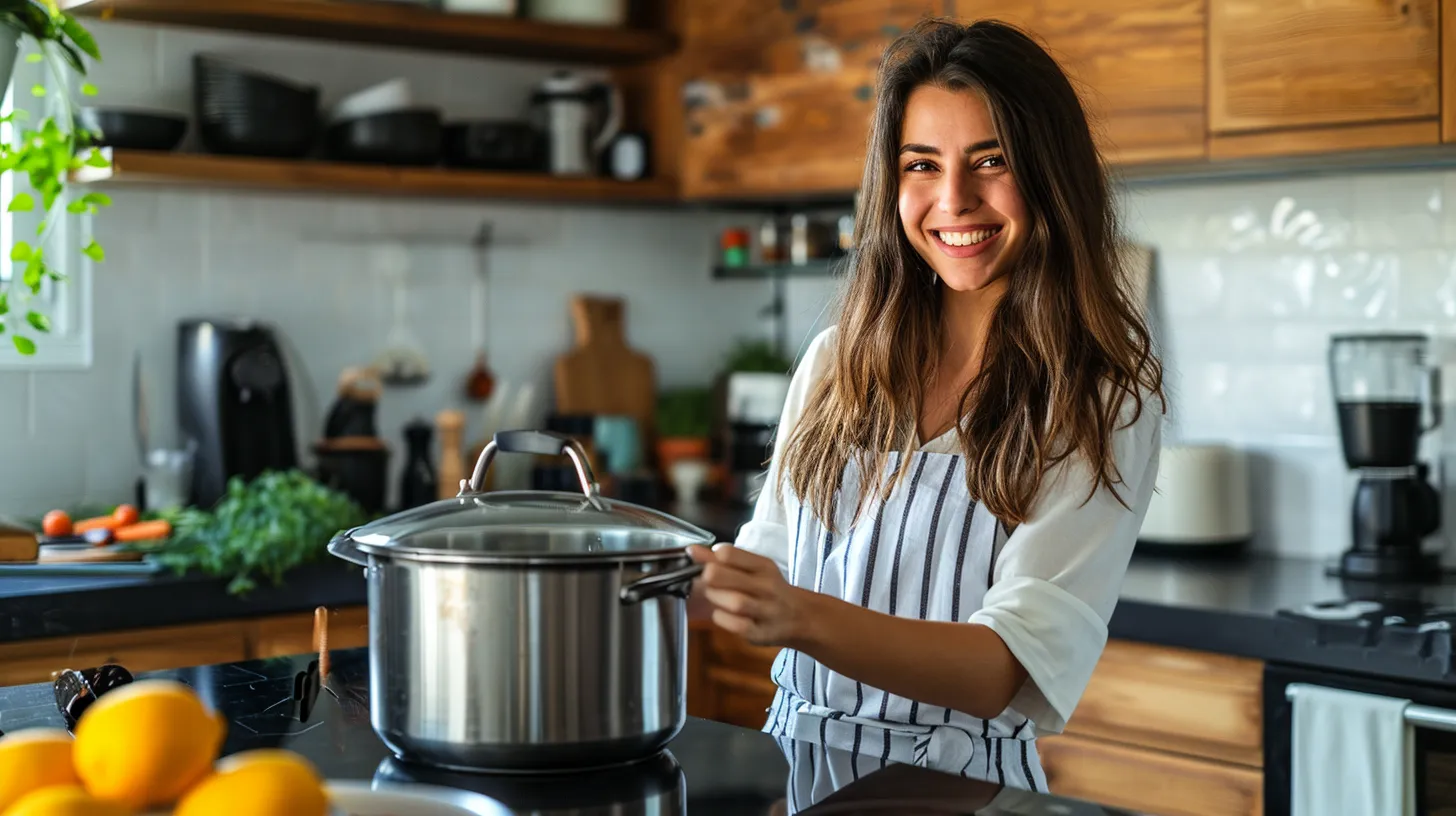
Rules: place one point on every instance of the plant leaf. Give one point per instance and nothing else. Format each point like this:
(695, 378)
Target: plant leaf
(34, 274)
(79, 35)
(4, 305)
(99, 199)
(33, 58)
(97, 159)
(87, 89)
(20, 252)
(22, 202)
(94, 251)
(40, 322)
(78, 206)
(37, 90)
(24, 345)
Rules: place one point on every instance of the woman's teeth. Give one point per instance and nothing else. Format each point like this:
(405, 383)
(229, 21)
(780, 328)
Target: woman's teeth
(966, 238)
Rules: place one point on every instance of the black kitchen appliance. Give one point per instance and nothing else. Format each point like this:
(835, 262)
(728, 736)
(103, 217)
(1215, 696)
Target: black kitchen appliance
(1399, 647)
(1381, 383)
(234, 403)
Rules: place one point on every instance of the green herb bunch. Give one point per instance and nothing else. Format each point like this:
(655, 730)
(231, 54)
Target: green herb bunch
(47, 152)
(259, 529)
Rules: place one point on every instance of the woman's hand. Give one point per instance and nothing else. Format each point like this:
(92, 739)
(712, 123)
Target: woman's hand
(751, 598)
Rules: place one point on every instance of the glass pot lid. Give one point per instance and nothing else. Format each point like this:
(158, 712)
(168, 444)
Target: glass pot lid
(526, 526)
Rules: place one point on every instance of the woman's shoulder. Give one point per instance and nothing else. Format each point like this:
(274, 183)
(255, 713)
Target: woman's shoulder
(817, 357)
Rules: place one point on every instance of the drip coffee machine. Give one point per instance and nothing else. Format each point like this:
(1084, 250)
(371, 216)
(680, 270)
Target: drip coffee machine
(1381, 383)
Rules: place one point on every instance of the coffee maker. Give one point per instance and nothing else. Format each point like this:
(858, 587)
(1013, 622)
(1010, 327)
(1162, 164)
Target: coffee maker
(1382, 383)
(234, 403)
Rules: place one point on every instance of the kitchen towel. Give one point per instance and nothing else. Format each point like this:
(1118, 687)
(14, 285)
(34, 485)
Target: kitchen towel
(1352, 754)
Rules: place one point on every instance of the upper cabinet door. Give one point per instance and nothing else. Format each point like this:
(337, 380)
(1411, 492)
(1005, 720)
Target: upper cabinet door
(1278, 64)
(1139, 66)
(779, 95)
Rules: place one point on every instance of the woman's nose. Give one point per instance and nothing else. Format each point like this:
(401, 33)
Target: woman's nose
(958, 193)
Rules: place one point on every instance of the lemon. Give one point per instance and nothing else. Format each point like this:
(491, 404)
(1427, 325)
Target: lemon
(265, 782)
(67, 800)
(147, 743)
(32, 759)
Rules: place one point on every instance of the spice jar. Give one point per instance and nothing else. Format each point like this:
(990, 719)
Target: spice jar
(770, 249)
(734, 243)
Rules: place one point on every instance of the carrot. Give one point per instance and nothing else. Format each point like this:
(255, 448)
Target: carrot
(144, 530)
(108, 522)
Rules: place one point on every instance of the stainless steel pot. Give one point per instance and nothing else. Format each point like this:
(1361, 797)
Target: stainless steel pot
(526, 630)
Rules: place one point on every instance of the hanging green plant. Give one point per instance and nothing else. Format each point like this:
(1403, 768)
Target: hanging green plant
(46, 153)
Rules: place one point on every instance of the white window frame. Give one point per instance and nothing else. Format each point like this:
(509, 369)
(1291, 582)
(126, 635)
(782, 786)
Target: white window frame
(68, 345)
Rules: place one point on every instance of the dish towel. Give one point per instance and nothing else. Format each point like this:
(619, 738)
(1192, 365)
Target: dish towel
(1352, 754)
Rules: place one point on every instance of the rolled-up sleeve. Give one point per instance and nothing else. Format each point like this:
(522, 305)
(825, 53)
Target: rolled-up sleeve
(767, 533)
(1057, 578)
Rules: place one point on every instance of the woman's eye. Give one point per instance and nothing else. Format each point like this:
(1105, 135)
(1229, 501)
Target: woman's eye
(919, 165)
(992, 161)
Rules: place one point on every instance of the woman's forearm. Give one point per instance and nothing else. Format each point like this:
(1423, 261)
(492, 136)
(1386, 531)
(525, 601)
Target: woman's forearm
(962, 666)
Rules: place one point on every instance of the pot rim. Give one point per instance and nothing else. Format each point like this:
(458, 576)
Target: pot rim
(467, 558)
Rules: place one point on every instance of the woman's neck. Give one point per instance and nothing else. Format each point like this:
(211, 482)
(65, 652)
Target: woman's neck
(965, 322)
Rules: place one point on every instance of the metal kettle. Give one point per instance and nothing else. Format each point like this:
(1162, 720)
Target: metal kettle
(580, 118)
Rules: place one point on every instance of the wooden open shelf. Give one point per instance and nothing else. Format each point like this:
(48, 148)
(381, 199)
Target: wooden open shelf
(306, 175)
(405, 26)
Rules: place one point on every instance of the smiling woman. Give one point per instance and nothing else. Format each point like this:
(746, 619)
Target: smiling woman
(964, 461)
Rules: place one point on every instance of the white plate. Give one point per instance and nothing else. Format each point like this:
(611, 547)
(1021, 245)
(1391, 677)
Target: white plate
(388, 799)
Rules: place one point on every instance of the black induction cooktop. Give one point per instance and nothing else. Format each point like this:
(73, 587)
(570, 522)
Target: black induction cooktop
(710, 769)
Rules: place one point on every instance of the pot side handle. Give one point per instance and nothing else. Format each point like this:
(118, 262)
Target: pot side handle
(676, 582)
(342, 546)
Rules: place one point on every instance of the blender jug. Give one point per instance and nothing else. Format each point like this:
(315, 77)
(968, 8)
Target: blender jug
(1381, 382)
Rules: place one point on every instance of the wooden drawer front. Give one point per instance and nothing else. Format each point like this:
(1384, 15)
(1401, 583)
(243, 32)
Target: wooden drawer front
(1194, 703)
(140, 650)
(726, 649)
(740, 698)
(293, 634)
(1148, 782)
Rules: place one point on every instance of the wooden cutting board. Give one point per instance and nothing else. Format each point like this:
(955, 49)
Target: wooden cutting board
(602, 376)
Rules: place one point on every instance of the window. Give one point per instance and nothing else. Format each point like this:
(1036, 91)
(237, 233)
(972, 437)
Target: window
(67, 304)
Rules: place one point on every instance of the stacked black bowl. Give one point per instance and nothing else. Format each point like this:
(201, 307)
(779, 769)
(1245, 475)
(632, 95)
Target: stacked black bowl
(241, 112)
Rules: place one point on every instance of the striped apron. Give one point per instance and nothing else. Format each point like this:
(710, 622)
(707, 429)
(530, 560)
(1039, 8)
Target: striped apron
(927, 552)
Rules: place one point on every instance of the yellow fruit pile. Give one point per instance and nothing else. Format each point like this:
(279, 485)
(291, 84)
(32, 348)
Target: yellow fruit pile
(146, 747)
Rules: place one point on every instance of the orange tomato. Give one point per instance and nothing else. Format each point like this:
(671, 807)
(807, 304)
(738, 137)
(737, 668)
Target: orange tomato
(56, 523)
(125, 514)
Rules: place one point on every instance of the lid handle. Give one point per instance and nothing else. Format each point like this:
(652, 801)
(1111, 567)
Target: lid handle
(540, 443)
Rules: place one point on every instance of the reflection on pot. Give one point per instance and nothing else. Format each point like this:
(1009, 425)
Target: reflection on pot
(652, 786)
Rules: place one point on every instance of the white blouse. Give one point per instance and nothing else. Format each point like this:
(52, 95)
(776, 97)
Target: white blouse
(1057, 578)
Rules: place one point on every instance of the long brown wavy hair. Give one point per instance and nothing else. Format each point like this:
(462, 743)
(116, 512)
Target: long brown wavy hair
(1066, 347)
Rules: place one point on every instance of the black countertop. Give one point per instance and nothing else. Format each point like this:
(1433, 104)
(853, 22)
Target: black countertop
(710, 769)
(1223, 605)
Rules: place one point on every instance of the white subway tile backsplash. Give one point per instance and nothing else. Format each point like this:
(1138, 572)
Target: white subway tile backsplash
(1399, 210)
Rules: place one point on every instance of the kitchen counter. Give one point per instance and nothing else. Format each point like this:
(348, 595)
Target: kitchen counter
(710, 769)
(1221, 605)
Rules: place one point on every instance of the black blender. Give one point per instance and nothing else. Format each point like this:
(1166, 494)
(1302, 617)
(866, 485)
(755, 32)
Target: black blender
(1381, 383)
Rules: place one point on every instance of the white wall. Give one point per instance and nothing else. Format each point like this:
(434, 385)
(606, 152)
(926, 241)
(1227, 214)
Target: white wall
(1250, 282)
(302, 262)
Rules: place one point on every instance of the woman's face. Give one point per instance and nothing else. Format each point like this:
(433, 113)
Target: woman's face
(959, 204)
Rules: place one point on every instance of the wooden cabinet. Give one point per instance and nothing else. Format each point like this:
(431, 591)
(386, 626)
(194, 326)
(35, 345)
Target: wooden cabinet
(1175, 700)
(139, 650)
(1365, 72)
(1158, 730)
(172, 647)
(1149, 781)
(1139, 66)
(778, 96)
